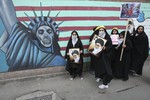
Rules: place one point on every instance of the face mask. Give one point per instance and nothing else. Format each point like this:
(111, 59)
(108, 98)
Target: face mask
(74, 37)
(102, 34)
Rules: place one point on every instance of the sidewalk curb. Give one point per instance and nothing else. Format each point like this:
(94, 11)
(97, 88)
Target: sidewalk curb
(33, 73)
(40, 72)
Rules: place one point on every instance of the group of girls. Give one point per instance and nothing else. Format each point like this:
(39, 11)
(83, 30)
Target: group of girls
(135, 52)
(108, 64)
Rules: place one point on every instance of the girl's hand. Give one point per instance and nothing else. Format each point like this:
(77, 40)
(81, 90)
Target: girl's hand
(104, 48)
(124, 46)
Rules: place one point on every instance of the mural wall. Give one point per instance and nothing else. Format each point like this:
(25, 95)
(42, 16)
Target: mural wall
(35, 34)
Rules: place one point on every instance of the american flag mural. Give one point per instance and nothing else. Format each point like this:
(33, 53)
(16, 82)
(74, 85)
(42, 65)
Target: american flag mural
(81, 16)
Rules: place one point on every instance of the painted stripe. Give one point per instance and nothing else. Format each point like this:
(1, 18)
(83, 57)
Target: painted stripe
(72, 13)
(86, 28)
(90, 23)
(60, 8)
(64, 43)
(77, 28)
(66, 2)
(81, 32)
(106, 18)
(84, 46)
(81, 37)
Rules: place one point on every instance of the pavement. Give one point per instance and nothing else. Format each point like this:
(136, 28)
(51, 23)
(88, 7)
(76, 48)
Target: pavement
(58, 86)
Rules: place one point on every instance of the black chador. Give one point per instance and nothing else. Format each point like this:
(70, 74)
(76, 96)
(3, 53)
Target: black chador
(140, 50)
(74, 42)
(114, 51)
(121, 68)
(102, 63)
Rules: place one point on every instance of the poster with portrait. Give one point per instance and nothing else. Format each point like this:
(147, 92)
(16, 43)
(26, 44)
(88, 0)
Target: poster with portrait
(114, 39)
(96, 45)
(130, 10)
(74, 55)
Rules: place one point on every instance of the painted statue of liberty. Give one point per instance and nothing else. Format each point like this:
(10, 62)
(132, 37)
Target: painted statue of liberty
(35, 46)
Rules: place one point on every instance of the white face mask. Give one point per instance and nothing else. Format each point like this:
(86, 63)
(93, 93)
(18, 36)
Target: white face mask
(102, 34)
(74, 37)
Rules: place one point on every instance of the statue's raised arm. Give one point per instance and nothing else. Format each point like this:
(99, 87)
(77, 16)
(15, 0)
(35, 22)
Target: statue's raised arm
(7, 14)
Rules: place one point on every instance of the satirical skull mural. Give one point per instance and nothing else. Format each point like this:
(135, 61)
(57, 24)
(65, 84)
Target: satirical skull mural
(45, 35)
(34, 46)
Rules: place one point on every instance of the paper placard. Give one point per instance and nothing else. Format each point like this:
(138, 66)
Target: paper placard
(130, 10)
(114, 39)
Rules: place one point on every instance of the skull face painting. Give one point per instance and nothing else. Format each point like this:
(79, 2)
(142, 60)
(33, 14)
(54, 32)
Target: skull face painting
(45, 35)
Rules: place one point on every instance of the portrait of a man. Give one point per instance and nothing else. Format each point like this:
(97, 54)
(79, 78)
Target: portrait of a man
(74, 55)
(96, 45)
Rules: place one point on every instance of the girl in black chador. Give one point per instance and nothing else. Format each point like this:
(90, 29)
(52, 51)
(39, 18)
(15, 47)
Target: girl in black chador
(74, 68)
(121, 68)
(140, 50)
(102, 63)
(114, 51)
